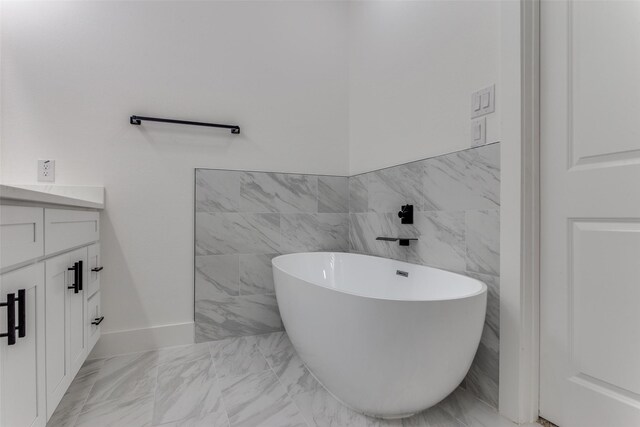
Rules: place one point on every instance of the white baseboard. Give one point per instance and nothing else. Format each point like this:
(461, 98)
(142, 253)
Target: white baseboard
(136, 340)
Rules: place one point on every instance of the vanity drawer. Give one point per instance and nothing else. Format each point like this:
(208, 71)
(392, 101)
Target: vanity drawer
(21, 234)
(65, 229)
(95, 269)
(94, 318)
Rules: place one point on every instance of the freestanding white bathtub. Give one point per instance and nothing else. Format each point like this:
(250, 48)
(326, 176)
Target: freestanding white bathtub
(382, 343)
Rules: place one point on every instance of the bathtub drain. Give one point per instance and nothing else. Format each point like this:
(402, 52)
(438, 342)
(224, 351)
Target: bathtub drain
(402, 273)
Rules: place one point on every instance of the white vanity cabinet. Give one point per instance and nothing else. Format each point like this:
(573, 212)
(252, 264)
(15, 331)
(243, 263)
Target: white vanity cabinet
(22, 355)
(50, 290)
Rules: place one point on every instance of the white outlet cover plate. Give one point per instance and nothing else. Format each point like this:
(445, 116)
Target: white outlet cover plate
(46, 170)
(479, 132)
(483, 101)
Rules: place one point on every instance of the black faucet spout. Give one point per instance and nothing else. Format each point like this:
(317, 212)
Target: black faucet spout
(402, 241)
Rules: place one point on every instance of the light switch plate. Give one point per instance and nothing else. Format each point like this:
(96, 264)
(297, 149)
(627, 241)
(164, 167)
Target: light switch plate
(479, 132)
(483, 101)
(46, 170)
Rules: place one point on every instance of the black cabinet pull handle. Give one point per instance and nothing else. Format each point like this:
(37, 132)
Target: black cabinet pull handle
(22, 314)
(80, 274)
(97, 269)
(97, 320)
(76, 278)
(11, 318)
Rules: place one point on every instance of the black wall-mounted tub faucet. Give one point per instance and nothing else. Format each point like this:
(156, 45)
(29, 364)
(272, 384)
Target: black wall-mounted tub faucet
(406, 214)
(402, 241)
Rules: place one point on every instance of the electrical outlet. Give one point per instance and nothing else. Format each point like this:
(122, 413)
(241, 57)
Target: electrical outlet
(46, 170)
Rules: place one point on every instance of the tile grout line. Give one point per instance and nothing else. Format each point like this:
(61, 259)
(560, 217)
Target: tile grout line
(186, 362)
(458, 419)
(479, 400)
(282, 385)
(488, 406)
(75, 417)
(155, 392)
(452, 415)
(86, 398)
(286, 390)
(215, 369)
(82, 411)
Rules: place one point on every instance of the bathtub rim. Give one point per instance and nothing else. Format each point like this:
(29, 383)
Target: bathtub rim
(483, 286)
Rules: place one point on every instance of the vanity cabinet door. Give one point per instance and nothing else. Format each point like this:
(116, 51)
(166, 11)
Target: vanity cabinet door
(57, 300)
(22, 362)
(67, 335)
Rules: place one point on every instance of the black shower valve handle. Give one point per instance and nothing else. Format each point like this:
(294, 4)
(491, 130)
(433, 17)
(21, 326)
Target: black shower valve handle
(406, 214)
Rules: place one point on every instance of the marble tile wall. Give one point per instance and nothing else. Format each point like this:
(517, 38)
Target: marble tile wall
(242, 220)
(456, 198)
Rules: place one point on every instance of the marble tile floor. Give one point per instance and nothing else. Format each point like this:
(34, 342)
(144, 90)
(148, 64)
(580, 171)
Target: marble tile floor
(248, 381)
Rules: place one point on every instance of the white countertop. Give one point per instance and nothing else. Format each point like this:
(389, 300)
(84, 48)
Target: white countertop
(66, 195)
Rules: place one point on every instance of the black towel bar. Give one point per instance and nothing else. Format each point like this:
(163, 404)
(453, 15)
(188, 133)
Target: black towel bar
(137, 120)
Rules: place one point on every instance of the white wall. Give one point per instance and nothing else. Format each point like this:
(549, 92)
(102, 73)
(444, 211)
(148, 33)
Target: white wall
(318, 87)
(72, 73)
(413, 67)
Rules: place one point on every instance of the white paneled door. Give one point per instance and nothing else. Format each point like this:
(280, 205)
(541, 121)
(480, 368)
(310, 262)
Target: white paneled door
(590, 213)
